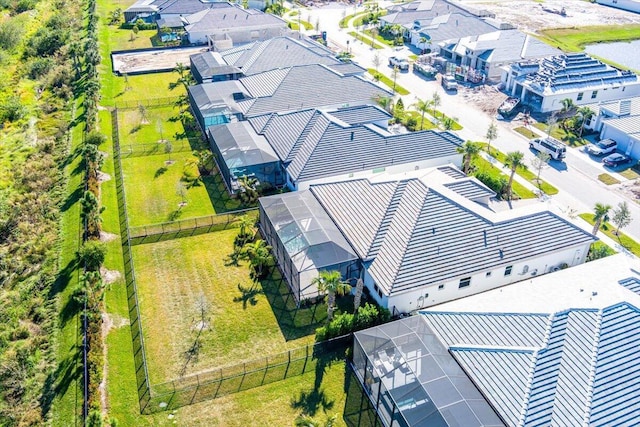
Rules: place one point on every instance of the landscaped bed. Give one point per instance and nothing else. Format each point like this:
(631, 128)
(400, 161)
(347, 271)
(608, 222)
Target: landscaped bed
(243, 320)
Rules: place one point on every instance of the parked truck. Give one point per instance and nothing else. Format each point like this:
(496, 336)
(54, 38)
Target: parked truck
(449, 82)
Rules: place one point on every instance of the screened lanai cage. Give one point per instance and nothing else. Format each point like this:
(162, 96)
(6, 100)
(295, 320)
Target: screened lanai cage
(412, 380)
(305, 240)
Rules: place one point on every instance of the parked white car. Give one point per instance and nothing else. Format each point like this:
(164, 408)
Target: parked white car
(401, 63)
(601, 148)
(449, 82)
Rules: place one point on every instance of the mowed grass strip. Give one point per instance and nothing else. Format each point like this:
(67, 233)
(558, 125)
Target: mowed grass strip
(575, 38)
(520, 190)
(151, 186)
(609, 229)
(149, 125)
(173, 277)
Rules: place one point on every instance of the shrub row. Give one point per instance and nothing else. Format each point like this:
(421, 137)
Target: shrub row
(367, 316)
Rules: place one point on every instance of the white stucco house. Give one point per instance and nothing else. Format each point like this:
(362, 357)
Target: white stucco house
(545, 83)
(630, 5)
(415, 242)
(619, 120)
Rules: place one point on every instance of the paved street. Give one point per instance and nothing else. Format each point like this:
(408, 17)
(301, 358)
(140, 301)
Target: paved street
(576, 177)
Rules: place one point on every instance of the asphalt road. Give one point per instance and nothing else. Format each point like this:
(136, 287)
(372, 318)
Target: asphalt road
(576, 177)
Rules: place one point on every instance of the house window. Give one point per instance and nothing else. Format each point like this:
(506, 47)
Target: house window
(464, 282)
(507, 270)
(440, 287)
(594, 94)
(580, 95)
(488, 274)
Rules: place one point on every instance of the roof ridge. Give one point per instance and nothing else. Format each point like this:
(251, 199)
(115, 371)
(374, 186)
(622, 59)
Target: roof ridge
(303, 135)
(307, 146)
(532, 369)
(592, 369)
(392, 207)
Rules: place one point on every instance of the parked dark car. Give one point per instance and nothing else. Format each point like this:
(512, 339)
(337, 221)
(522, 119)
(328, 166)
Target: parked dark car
(616, 159)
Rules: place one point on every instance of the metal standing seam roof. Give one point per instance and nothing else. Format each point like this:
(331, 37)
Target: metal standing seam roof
(221, 19)
(283, 130)
(580, 368)
(631, 283)
(431, 239)
(454, 26)
(452, 172)
(630, 125)
(507, 46)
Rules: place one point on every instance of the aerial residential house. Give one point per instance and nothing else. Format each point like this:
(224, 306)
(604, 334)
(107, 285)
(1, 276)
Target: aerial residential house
(419, 245)
(630, 5)
(450, 26)
(257, 57)
(282, 90)
(570, 368)
(619, 120)
(500, 358)
(152, 10)
(488, 53)
(238, 24)
(585, 80)
(316, 146)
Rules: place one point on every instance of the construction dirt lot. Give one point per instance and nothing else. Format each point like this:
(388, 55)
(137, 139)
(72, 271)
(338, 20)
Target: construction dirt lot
(152, 60)
(531, 16)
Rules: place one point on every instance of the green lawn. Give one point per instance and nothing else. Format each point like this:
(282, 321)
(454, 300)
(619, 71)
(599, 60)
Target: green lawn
(574, 39)
(151, 186)
(247, 320)
(607, 179)
(426, 123)
(388, 82)
(527, 174)
(518, 189)
(525, 132)
(365, 39)
(151, 126)
(560, 134)
(442, 117)
(609, 229)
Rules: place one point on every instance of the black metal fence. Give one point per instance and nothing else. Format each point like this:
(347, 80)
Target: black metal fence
(243, 376)
(147, 103)
(187, 227)
(140, 361)
(160, 147)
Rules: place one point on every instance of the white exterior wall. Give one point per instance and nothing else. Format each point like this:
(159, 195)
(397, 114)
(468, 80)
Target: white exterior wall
(456, 159)
(631, 5)
(627, 144)
(409, 301)
(238, 35)
(553, 102)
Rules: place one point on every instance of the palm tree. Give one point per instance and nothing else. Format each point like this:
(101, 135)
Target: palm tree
(601, 214)
(492, 134)
(248, 189)
(423, 107)
(259, 254)
(308, 421)
(469, 151)
(567, 105)
(421, 43)
(330, 283)
(385, 102)
(514, 160)
(585, 114)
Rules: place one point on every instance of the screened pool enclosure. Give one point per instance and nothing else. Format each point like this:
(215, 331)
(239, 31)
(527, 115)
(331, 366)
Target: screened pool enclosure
(305, 240)
(412, 380)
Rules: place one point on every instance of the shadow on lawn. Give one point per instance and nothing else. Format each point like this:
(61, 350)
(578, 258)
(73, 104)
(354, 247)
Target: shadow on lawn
(248, 295)
(218, 195)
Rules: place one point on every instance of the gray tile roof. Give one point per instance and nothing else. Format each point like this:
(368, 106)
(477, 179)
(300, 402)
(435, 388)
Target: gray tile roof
(419, 11)
(347, 69)
(508, 46)
(454, 26)
(240, 146)
(631, 283)
(431, 239)
(582, 368)
(361, 114)
(209, 64)
(472, 189)
(307, 86)
(278, 52)
(452, 172)
(211, 98)
(235, 17)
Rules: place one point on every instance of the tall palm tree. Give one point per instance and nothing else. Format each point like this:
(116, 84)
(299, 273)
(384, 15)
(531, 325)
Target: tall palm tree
(330, 283)
(601, 214)
(248, 189)
(514, 160)
(469, 151)
(423, 107)
(492, 134)
(259, 254)
(385, 102)
(421, 43)
(585, 114)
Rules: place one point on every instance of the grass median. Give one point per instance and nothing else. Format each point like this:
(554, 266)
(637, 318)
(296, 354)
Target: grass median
(610, 230)
(388, 82)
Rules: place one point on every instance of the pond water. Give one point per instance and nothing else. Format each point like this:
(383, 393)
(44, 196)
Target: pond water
(623, 53)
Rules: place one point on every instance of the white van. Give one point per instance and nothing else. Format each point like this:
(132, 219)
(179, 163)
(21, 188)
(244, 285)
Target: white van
(553, 148)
